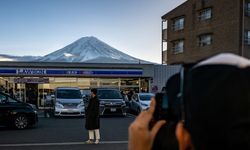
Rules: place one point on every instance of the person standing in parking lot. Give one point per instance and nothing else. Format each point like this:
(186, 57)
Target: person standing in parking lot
(92, 118)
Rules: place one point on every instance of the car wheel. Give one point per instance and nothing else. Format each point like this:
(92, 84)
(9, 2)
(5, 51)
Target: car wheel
(21, 121)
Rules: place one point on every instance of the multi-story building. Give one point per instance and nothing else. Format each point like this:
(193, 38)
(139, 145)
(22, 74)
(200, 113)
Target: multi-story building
(198, 29)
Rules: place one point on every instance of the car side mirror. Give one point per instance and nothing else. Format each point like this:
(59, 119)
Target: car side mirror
(52, 96)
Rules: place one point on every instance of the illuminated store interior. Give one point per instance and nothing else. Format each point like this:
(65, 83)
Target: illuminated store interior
(36, 89)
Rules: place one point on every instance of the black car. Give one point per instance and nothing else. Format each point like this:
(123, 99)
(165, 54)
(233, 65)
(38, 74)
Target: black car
(111, 102)
(14, 113)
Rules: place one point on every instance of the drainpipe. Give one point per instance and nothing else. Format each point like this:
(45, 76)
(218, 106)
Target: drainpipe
(162, 57)
(243, 28)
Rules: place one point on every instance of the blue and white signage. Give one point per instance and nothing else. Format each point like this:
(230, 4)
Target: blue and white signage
(71, 72)
(31, 71)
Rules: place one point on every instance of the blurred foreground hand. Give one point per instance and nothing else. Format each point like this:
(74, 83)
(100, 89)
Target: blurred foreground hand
(140, 137)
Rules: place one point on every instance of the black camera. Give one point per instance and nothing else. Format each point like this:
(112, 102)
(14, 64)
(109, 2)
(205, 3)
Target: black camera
(168, 102)
(162, 107)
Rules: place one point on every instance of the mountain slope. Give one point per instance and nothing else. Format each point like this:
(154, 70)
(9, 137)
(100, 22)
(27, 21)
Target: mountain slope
(84, 50)
(18, 58)
(91, 50)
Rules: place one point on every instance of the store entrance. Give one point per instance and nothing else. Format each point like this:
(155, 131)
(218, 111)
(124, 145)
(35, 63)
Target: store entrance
(31, 93)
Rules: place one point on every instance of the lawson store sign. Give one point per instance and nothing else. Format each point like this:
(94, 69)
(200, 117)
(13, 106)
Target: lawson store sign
(70, 72)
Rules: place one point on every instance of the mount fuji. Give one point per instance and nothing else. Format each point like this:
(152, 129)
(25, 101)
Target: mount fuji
(85, 50)
(90, 50)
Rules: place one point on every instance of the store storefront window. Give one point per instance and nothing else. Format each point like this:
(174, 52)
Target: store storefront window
(144, 86)
(109, 83)
(129, 85)
(129, 82)
(39, 89)
(93, 83)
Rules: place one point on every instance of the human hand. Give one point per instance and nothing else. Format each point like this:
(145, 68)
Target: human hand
(140, 137)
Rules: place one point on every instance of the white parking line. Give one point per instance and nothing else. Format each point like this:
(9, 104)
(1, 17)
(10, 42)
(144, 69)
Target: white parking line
(60, 144)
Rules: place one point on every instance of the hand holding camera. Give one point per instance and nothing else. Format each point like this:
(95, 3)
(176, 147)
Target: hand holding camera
(140, 136)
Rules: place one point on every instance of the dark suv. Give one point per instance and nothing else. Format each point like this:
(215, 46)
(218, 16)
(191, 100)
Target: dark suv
(111, 102)
(16, 114)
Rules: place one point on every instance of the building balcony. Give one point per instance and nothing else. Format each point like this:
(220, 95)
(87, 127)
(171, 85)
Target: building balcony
(164, 57)
(164, 34)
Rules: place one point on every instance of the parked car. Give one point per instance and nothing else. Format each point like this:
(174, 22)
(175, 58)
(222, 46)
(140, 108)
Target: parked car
(17, 114)
(85, 92)
(86, 95)
(68, 102)
(140, 102)
(111, 102)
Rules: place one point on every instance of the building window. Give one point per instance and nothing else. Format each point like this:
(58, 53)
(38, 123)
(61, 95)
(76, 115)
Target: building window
(205, 14)
(247, 37)
(178, 24)
(178, 46)
(205, 40)
(247, 9)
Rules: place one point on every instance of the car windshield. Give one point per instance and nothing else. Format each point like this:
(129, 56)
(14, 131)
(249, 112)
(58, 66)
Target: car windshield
(86, 92)
(69, 94)
(109, 94)
(146, 97)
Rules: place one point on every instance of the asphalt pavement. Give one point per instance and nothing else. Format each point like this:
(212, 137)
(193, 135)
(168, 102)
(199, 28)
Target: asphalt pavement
(67, 133)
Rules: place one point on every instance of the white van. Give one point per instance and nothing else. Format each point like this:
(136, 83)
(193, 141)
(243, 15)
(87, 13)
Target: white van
(68, 102)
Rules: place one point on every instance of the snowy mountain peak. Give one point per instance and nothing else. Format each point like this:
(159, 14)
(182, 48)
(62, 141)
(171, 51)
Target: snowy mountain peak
(87, 38)
(86, 50)
(89, 49)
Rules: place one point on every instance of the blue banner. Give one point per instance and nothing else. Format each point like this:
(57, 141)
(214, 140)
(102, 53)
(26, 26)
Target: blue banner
(65, 72)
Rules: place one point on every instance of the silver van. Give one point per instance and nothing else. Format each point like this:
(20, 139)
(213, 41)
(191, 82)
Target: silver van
(68, 102)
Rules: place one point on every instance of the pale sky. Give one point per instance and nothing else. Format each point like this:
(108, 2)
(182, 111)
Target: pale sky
(39, 27)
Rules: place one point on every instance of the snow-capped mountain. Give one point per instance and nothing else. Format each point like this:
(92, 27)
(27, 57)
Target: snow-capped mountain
(6, 58)
(90, 50)
(18, 58)
(85, 50)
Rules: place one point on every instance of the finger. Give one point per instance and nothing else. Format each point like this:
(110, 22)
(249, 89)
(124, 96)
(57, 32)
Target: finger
(152, 106)
(139, 120)
(149, 113)
(145, 117)
(141, 115)
(136, 124)
(157, 127)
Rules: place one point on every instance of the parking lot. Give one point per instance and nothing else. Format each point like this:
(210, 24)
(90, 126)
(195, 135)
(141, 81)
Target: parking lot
(66, 133)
